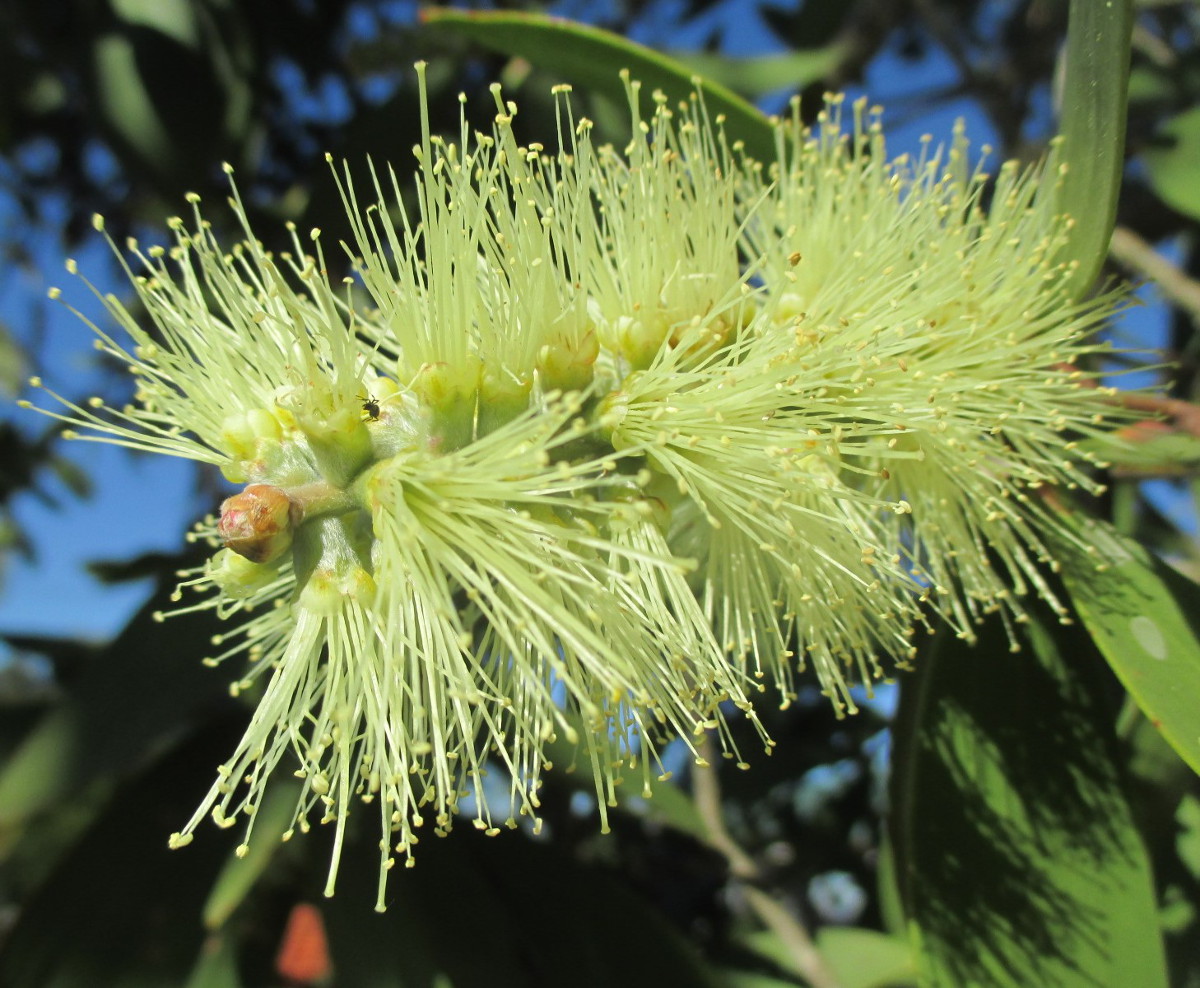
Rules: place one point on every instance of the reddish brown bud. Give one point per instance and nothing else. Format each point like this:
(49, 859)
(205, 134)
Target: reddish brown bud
(257, 523)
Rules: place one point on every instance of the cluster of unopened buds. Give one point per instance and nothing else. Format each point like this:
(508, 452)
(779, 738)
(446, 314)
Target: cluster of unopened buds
(600, 444)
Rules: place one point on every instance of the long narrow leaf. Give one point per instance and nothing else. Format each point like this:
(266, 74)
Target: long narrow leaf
(591, 57)
(1093, 128)
(1017, 857)
(120, 910)
(1140, 614)
(757, 75)
(239, 874)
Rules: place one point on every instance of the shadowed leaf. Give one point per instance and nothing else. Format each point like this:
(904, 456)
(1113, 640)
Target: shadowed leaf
(1017, 857)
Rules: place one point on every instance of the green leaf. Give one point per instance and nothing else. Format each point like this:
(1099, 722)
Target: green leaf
(1150, 84)
(135, 699)
(13, 364)
(1018, 860)
(216, 966)
(239, 875)
(774, 967)
(120, 910)
(1152, 763)
(169, 82)
(1159, 453)
(1141, 615)
(760, 74)
(1093, 128)
(856, 958)
(891, 908)
(591, 57)
(1174, 165)
(866, 958)
(1188, 845)
(667, 806)
(663, 802)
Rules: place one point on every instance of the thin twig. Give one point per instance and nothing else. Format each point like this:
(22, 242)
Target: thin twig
(780, 921)
(1185, 413)
(1158, 51)
(1132, 252)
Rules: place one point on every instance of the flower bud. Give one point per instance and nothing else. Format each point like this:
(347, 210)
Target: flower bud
(237, 576)
(502, 397)
(257, 523)
(567, 364)
(639, 338)
(339, 440)
(450, 395)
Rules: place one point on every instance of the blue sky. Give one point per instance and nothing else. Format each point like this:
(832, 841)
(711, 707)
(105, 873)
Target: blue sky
(139, 504)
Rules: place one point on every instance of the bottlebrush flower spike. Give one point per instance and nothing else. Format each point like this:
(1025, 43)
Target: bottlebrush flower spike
(624, 439)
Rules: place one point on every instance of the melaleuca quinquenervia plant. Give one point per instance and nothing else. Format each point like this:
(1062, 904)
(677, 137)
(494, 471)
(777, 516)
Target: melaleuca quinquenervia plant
(602, 445)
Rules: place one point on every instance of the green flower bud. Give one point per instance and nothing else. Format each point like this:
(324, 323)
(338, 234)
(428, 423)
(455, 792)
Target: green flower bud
(238, 577)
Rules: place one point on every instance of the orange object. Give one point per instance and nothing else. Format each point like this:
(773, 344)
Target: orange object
(303, 957)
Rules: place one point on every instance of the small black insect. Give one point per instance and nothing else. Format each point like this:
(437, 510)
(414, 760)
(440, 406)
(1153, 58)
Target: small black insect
(370, 407)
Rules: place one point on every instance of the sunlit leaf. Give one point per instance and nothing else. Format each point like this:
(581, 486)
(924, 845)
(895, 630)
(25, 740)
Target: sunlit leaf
(1173, 165)
(866, 958)
(855, 957)
(773, 965)
(1140, 614)
(1151, 761)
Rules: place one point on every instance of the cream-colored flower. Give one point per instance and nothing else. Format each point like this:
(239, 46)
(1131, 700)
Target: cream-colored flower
(623, 439)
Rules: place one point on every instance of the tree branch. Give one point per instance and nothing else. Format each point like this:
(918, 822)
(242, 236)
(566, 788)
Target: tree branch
(1185, 413)
(791, 931)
